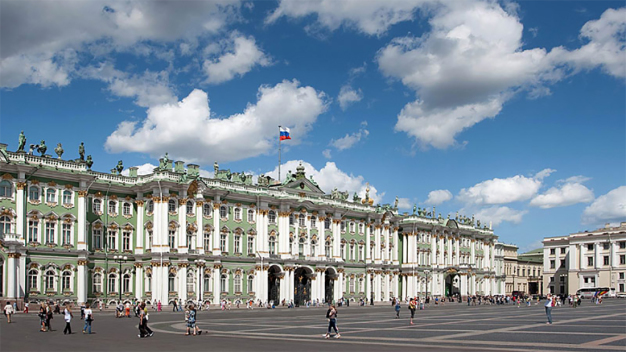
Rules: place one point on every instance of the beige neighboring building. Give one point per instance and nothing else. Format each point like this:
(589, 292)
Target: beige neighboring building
(585, 259)
(523, 272)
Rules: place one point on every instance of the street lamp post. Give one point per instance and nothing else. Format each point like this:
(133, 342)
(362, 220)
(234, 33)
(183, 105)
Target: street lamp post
(120, 259)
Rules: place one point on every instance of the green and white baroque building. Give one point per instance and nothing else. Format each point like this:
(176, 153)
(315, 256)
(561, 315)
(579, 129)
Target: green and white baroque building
(69, 233)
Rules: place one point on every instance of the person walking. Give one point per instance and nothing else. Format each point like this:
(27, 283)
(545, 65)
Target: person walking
(397, 307)
(190, 317)
(331, 314)
(49, 316)
(144, 316)
(412, 309)
(127, 309)
(88, 319)
(8, 311)
(549, 304)
(68, 318)
(42, 317)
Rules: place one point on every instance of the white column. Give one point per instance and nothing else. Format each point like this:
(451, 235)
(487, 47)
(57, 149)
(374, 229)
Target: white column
(368, 286)
(368, 239)
(385, 232)
(11, 275)
(182, 221)
(139, 277)
(457, 258)
(182, 283)
(473, 254)
(377, 287)
(283, 234)
(394, 240)
(433, 250)
(216, 230)
(405, 248)
(339, 286)
(81, 281)
(319, 250)
(217, 295)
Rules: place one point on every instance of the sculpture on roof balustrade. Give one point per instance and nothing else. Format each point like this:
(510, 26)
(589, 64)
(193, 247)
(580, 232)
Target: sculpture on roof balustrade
(41, 148)
(59, 150)
(89, 162)
(21, 142)
(81, 151)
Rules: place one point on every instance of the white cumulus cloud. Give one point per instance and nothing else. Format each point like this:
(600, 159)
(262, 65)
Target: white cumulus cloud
(503, 190)
(351, 139)
(348, 96)
(186, 129)
(239, 55)
(437, 197)
(498, 214)
(568, 192)
(610, 207)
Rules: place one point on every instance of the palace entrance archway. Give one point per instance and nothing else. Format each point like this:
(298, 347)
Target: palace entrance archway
(302, 286)
(273, 284)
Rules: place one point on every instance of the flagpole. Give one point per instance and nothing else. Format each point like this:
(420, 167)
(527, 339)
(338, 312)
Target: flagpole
(279, 153)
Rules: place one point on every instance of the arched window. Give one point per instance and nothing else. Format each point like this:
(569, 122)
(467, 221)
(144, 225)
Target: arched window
(171, 206)
(351, 284)
(5, 189)
(351, 227)
(150, 207)
(112, 283)
(126, 283)
(149, 282)
(223, 212)
(291, 220)
(171, 236)
(272, 243)
(206, 209)
(97, 282)
(97, 239)
(112, 239)
(190, 208)
(313, 221)
(51, 195)
(223, 240)
(127, 209)
(327, 224)
(66, 281)
(33, 193)
(191, 282)
(112, 207)
(126, 244)
(313, 245)
(237, 283)
(33, 230)
(171, 278)
(301, 220)
(238, 214)
(250, 283)
(327, 249)
(190, 240)
(67, 197)
(33, 280)
(5, 225)
(97, 206)
(223, 283)
(271, 217)
(50, 280)
(150, 234)
(342, 226)
(250, 215)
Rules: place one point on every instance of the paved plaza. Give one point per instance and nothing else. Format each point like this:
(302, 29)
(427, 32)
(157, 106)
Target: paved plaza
(453, 327)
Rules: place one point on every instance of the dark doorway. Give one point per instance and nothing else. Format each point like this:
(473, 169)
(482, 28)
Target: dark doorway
(452, 285)
(329, 284)
(533, 288)
(302, 286)
(273, 285)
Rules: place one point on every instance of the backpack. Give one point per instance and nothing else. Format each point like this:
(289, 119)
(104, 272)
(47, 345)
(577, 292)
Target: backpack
(328, 313)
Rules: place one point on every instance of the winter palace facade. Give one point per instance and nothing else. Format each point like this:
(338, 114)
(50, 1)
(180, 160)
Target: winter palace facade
(70, 233)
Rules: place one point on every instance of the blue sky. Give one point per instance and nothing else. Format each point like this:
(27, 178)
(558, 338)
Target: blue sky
(512, 111)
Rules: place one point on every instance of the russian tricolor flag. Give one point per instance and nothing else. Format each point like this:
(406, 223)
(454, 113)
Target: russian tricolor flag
(284, 133)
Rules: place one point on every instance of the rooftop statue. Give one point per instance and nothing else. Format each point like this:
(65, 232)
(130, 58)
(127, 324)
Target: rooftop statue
(478, 223)
(395, 204)
(89, 162)
(81, 151)
(356, 198)
(119, 167)
(312, 180)
(21, 142)
(414, 208)
(59, 150)
(216, 168)
(32, 149)
(41, 148)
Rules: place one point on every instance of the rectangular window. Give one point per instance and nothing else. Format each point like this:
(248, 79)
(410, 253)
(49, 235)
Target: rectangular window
(126, 241)
(606, 245)
(552, 251)
(250, 245)
(171, 239)
(562, 279)
(112, 240)
(50, 229)
(590, 261)
(67, 234)
(206, 242)
(33, 193)
(67, 197)
(552, 264)
(97, 239)
(622, 245)
(112, 207)
(621, 276)
(33, 231)
(622, 259)
(563, 250)
(237, 245)
(313, 222)
(149, 246)
(562, 263)
(126, 209)
(223, 238)
(590, 247)
(621, 287)
(606, 260)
